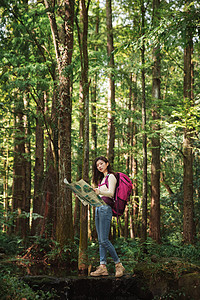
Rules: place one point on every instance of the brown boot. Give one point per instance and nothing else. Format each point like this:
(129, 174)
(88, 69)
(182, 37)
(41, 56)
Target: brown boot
(119, 270)
(100, 271)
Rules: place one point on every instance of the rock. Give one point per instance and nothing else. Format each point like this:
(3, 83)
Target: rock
(146, 284)
(190, 285)
(89, 288)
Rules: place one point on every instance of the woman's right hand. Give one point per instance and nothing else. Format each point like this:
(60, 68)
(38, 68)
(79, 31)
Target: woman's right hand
(97, 191)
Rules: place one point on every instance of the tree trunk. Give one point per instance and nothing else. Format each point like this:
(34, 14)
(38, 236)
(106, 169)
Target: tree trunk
(83, 33)
(111, 94)
(47, 225)
(188, 204)
(94, 96)
(19, 171)
(155, 142)
(144, 142)
(28, 168)
(126, 222)
(63, 44)
(39, 170)
(5, 188)
(80, 163)
(94, 120)
(133, 162)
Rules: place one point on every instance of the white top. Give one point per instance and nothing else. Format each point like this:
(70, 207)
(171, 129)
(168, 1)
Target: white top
(110, 191)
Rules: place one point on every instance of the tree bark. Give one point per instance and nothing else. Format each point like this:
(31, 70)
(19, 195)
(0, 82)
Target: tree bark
(155, 141)
(19, 171)
(5, 187)
(63, 44)
(39, 170)
(83, 33)
(134, 164)
(94, 96)
(144, 139)
(27, 167)
(80, 163)
(47, 225)
(188, 204)
(111, 94)
(94, 127)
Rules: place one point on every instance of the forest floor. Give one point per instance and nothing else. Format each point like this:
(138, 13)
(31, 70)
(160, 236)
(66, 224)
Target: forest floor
(163, 272)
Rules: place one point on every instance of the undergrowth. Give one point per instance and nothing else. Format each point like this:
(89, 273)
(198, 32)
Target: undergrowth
(14, 288)
(131, 252)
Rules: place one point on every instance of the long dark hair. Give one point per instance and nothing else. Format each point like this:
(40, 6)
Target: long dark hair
(97, 175)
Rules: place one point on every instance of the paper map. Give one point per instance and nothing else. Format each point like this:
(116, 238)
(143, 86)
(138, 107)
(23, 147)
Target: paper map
(85, 193)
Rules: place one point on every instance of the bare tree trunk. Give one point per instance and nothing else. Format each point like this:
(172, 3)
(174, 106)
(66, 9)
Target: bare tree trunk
(126, 221)
(5, 188)
(80, 163)
(94, 96)
(94, 120)
(83, 33)
(19, 171)
(111, 95)
(48, 209)
(28, 168)
(133, 161)
(39, 170)
(188, 204)
(144, 143)
(63, 44)
(155, 141)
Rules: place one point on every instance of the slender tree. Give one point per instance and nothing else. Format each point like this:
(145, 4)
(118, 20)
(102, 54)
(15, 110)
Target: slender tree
(155, 141)
(79, 164)
(144, 139)
(83, 35)
(133, 160)
(111, 90)
(19, 169)
(39, 168)
(94, 85)
(188, 210)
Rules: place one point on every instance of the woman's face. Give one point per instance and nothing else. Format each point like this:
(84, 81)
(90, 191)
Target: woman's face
(102, 166)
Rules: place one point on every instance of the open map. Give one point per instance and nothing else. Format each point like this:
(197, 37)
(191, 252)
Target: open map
(85, 193)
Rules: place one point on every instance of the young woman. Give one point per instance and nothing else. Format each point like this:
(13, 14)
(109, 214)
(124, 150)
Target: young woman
(103, 215)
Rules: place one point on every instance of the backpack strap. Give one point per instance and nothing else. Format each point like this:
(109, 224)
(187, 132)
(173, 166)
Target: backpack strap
(105, 182)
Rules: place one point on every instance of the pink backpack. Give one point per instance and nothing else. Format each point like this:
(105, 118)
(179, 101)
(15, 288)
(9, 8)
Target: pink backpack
(123, 190)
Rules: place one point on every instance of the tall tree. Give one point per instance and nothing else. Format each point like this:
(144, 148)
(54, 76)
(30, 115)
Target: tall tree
(188, 210)
(111, 90)
(79, 163)
(134, 162)
(94, 92)
(39, 168)
(63, 44)
(83, 35)
(155, 141)
(144, 138)
(94, 128)
(51, 179)
(19, 170)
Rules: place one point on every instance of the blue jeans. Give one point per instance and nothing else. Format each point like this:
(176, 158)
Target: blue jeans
(103, 217)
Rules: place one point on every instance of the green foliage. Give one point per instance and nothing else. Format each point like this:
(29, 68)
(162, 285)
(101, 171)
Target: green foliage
(12, 287)
(28, 70)
(171, 295)
(132, 252)
(10, 244)
(63, 255)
